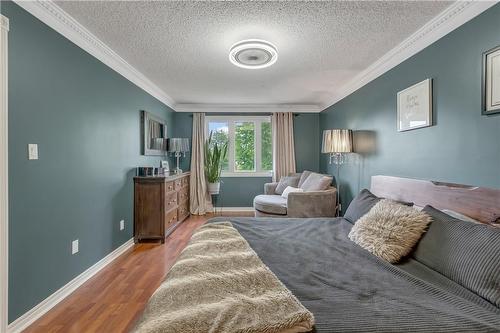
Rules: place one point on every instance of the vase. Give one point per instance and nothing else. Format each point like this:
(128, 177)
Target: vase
(213, 188)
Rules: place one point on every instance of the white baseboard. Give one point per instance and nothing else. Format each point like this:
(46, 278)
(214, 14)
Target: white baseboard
(43, 307)
(234, 209)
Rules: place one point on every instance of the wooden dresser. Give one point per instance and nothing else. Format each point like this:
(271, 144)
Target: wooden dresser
(160, 205)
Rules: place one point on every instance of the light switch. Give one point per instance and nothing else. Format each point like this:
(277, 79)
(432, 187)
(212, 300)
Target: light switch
(74, 246)
(32, 151)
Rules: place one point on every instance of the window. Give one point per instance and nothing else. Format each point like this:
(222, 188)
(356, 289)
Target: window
(250, 151)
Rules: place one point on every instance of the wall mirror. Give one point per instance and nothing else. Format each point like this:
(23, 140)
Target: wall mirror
(153, 134)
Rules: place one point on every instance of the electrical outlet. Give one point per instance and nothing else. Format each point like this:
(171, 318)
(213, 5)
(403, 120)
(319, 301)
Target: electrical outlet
(74, 246)
(32, 151)
(122, 224)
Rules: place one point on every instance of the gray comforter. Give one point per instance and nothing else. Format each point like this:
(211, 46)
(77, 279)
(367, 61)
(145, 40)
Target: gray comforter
(350, 290)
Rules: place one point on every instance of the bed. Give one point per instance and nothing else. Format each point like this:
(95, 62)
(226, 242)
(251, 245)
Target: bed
(350, 290)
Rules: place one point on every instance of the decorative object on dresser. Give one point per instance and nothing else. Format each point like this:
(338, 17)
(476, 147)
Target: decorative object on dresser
(153, 134)
(160, 204)
(415, 106)
(337, 143)
(178, 147)
(491, 81)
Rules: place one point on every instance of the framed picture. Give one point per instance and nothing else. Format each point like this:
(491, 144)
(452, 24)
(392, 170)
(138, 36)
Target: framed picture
(491, 81)
(415, 106)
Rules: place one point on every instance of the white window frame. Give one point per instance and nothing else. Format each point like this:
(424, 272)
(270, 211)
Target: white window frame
(231, 120)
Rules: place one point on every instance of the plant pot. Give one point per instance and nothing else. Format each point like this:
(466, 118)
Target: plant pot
(213, 188)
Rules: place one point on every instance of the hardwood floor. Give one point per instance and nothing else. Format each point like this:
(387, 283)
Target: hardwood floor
(114, 298)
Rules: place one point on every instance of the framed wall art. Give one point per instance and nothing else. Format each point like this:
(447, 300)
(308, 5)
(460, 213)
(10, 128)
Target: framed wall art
(415, 106)
(491, 81)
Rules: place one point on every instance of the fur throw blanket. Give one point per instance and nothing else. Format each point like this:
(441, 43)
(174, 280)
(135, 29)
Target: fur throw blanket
(219, 284)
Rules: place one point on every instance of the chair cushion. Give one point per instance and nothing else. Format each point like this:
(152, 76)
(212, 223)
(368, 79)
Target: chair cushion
(464, 252)
(286, 181)
(272, 204)
(303, 177)
(316, 182)
(290, 189)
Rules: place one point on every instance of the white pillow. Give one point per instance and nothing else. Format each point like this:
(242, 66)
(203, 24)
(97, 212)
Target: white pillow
(290, 189)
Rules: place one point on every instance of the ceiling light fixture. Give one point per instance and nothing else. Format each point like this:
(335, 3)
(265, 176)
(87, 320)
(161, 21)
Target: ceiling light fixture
(253, 54)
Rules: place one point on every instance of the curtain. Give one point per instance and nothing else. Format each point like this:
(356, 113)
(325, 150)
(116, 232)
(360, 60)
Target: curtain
(283, 145)
(199, 199)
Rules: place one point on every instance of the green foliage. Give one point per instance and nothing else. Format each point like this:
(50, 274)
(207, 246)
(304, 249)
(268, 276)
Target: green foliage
(221, 138)
(215, 154)
(244, 146)
(267, 147)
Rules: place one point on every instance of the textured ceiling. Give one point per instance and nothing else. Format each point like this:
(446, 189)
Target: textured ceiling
(183, 46)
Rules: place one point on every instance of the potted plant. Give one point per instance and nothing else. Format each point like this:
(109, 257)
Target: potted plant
(215, 154)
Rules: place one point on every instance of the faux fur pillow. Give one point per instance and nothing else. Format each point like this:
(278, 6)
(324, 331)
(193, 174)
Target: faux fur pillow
(390, 230)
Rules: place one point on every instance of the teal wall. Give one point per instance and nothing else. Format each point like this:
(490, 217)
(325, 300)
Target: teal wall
(85, 119)
(462, 147)
(240, 191)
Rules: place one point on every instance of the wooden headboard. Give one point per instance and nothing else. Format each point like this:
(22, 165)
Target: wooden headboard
(480, 203)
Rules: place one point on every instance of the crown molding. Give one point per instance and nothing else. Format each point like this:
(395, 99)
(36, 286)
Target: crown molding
(448, 20)
(56, 18)
(248, 108)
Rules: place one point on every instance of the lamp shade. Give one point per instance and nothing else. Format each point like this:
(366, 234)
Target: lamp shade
(175, 145)
(342, 140)
(185, 145)
(178, 145)
(337, 141)
(327, 146)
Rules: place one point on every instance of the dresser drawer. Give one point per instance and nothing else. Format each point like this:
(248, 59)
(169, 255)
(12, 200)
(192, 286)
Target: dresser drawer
(183, 210)
(183, 195)
(178, 184)
(169, 187)
(170, 219)
(170, 200)
(185, 181)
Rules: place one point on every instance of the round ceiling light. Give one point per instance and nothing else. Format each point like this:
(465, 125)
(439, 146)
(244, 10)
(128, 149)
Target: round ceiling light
(253, 54)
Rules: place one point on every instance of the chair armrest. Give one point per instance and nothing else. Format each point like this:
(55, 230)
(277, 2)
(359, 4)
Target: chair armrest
(312, 204)
(270, 188)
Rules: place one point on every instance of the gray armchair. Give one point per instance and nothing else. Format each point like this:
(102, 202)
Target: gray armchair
(298, 204)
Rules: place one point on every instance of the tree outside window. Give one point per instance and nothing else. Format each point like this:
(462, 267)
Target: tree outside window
(250, 143)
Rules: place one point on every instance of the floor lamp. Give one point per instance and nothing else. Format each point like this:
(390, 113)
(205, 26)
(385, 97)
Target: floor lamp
(337, 143)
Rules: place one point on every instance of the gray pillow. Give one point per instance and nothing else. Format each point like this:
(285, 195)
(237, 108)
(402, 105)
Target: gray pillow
(286, 181)
(316, 182)
(303, 177)
(362, 204)
(464, 252)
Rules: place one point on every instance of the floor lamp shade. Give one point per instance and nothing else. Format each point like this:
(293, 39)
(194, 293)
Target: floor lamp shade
(341, 141)
(327, 146)
(337, 141)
